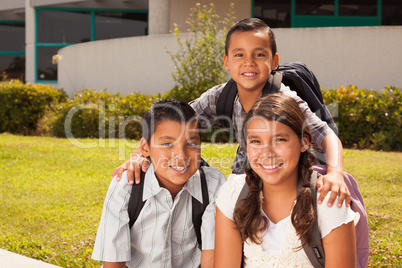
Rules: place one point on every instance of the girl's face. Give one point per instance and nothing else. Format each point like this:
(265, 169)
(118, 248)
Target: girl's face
(273, 150)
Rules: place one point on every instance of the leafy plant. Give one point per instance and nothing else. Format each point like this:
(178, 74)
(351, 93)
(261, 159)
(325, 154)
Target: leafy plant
(368, 118)
(199, 60)
(23, 105)
(100, 114)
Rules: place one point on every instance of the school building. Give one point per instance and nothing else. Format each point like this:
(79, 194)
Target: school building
(121, 45)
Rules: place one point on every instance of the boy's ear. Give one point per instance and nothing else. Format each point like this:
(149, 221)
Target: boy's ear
(226, 62)
(275, 62)
(305, 144)
(144, 147)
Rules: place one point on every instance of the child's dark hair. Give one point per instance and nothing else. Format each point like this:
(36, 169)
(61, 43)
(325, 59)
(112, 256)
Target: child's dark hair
(283, 109)
(175, 110)
(248, 25)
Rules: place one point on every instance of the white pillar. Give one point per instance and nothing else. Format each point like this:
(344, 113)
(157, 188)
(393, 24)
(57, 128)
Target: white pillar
(158, 17)
(29, 42)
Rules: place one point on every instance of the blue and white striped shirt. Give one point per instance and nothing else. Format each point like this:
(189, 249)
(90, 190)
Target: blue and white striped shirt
(163, 235)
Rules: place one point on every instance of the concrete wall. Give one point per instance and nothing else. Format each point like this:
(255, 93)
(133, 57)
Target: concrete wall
(368, 57)
(122, 65)
(14, 4)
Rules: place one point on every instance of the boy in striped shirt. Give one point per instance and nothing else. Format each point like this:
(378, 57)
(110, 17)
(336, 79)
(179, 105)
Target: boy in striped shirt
(163, 234)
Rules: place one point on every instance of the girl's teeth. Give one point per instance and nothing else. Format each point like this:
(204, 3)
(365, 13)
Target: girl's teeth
(270, 167)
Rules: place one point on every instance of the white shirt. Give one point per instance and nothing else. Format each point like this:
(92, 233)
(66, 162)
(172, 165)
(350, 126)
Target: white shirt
(280, 240)
(163, 235)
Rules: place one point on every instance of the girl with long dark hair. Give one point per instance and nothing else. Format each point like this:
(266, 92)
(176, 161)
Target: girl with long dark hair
(271, 226)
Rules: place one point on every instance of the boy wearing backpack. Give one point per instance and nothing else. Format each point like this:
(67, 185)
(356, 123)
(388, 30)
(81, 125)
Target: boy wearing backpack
(164, 232)
(251, 56)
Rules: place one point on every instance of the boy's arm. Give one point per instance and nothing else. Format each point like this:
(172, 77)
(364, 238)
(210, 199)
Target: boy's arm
(205, 107)
(331, 146)
(114, 265)
(215, 179)
(133, 167)
(333, 181)
(114, 231)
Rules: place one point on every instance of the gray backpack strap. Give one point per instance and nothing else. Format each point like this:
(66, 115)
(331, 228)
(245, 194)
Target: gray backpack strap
(314, 251)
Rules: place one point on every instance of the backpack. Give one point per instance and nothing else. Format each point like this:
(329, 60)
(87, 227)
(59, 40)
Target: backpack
(315, 251)
(297, 77)
(135, 203)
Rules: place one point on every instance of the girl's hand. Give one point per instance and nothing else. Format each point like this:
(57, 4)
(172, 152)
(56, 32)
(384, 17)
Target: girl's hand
(335, 183)
(133, 167)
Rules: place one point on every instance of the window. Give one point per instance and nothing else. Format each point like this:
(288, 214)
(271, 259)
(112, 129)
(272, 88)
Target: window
(315, 8)
(391, 12)
(114, 25)
(58, 27)
(275, 13)
(63, 27)
(325, 13)
(328, 13)
(12, 52)
(363, 8)
(46, 70)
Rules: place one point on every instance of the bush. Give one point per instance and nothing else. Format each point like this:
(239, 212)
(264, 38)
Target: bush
(99, 115)
(368, 118)
(23, 105)
(199, 61)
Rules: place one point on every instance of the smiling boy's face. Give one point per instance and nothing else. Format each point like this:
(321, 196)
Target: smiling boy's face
(250, 60)
(175, 153)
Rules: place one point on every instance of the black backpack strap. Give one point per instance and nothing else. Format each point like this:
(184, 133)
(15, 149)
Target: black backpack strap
(224, 106)
(198, 208)
(274, 83)
(314, 251)
(135, 203)
(298, 77)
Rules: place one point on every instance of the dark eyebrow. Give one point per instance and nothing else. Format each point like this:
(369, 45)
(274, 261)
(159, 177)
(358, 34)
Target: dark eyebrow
(166, 138)
(237, 50)
(281, 135)
(252, 137)
(276, 135)
(195, 138)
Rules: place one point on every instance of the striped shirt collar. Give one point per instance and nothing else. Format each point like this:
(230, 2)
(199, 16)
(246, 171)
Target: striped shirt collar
(152, 187)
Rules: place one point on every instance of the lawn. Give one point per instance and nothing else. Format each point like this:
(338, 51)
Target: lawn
(52, 192)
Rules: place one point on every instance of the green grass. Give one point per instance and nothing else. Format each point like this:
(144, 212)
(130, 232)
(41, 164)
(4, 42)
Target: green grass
(52, 193)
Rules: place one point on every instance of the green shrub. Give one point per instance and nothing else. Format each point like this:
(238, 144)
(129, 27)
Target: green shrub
(199, 60)
(100, 115)
(23, 105)
(368, 118)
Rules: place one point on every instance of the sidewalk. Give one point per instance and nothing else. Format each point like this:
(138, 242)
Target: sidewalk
(12, 260)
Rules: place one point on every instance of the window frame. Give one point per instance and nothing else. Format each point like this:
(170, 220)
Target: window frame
(92, 12)
(10, 52)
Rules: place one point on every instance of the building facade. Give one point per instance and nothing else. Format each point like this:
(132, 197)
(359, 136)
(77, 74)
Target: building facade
(33, 31)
